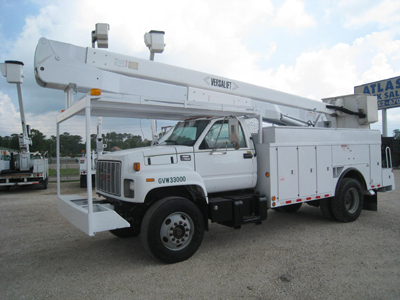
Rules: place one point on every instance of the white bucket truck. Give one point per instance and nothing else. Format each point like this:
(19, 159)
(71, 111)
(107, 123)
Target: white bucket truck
(218, 163)
(21, 168)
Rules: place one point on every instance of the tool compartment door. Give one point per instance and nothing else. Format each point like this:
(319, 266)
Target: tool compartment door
(375, 165)
(324, 170)
(307, 170)
(288, 183)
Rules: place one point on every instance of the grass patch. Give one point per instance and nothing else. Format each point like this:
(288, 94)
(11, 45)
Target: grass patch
(64, 172)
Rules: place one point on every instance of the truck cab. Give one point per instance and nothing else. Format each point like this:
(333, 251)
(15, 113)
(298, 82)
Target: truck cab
(5, 159)
(196, 152)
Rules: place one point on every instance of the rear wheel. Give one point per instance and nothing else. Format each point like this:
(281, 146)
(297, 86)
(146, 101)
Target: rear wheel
(326, 208)
(83, 182)
(172, 229)
(44, 183)
(348, 203)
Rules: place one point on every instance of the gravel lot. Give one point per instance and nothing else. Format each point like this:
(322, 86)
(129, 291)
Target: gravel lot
(289, 256)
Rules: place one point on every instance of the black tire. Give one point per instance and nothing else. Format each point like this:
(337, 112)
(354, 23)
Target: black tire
(93, 180)
(290, 208)
(348, 203)
(83, 182)
(44, 183)
(326, 208)
(172, 230)
(126, 232)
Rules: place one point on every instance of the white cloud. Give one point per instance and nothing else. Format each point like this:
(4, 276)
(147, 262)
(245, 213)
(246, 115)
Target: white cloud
(380, 69)
(202, 35)
(292, 15)
(208, 36)
(10, 121)
(385, 13)
(271, 50)
(335, 71)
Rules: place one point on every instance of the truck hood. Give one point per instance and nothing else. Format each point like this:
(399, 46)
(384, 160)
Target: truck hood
(153, 154)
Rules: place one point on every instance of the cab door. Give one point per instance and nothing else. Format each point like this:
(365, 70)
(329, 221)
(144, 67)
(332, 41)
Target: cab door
(221, 166)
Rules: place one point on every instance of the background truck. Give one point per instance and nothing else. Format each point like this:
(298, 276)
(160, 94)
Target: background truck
(219, 163)
(93, 156)
(23, 167)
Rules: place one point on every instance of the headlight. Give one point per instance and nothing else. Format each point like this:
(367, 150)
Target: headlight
(129, 188)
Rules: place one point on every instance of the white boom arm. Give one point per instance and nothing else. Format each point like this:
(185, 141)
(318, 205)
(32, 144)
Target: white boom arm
(60, 65)
(185, 92)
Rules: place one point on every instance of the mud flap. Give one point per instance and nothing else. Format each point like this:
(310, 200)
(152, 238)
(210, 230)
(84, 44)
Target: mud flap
(370, 202)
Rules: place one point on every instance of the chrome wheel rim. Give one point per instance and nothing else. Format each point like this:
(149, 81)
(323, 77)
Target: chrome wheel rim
(177, 231)
(352, 200)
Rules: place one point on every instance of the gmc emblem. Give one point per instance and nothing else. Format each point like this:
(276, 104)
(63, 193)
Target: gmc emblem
(105, 176)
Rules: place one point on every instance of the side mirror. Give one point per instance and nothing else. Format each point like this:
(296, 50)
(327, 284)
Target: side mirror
(234, 132)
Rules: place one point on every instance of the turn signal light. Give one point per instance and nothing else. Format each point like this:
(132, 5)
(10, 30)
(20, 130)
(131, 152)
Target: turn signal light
(267, 174)
(95, 92)
(136, 167)
(273, 198)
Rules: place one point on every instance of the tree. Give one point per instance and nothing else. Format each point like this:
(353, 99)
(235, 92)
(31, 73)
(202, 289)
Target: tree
(38, 141)
(51, 145)
(71, 144)
(14, 141)
(396, 134)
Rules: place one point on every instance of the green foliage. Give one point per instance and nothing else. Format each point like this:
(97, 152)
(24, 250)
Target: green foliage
(396, 133)
(123, 140)
(38, 141)
(72, 145)
(14, 142)
(9, 142)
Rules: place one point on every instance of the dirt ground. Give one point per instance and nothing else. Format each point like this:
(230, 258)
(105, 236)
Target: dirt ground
(289, 256)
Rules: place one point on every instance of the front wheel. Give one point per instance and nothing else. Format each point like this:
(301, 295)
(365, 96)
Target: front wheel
(348, 203)
(172, 229)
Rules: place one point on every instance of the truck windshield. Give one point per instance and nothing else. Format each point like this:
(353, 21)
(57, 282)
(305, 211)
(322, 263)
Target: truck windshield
(185, 133)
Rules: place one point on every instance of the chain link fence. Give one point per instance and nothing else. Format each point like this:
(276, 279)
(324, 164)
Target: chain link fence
(69, 168)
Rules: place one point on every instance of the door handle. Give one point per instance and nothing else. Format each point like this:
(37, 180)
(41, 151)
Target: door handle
(247, 155)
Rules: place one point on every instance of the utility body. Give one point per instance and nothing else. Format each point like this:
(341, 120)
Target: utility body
(23, 167)
(219, 163)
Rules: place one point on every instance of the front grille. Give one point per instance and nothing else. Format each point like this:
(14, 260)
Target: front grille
(108, 177)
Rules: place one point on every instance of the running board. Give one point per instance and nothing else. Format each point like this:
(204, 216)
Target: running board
(103, 218)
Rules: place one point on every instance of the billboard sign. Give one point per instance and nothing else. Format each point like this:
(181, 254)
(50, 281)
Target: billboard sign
(387, 91)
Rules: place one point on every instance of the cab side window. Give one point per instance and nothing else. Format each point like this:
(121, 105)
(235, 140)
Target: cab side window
(212, 140)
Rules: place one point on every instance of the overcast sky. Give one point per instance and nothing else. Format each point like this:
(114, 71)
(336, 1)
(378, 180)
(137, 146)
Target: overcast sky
(315, 49)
